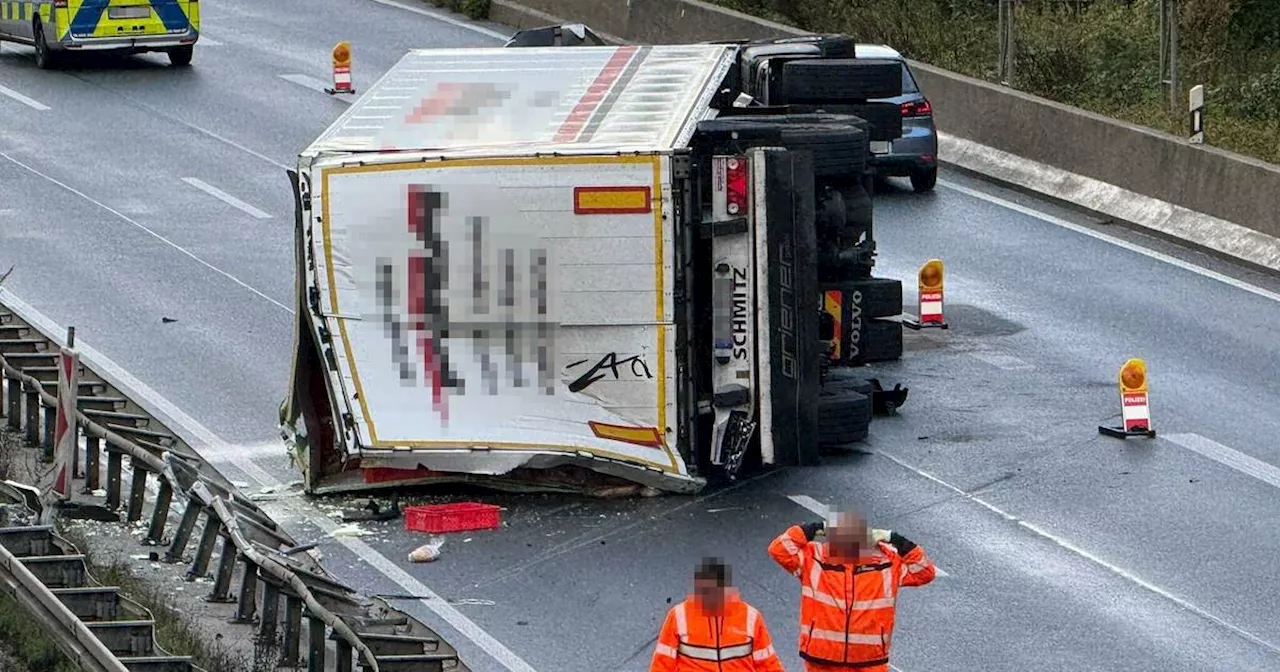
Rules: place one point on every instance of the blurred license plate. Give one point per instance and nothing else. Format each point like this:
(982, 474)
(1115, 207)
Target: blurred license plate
(880, 146)
(129, 12)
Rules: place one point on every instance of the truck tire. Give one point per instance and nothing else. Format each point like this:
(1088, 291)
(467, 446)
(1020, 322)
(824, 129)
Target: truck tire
(884, 120)
(816, 81)
(859, 211)
(882, 341)
(839, 150)
(829, 46)
(881, 297)
(843, 378)
(844, 417)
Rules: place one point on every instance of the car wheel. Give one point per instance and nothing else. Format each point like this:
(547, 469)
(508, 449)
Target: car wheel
(45, 57)
(924, 180)
(181, 57)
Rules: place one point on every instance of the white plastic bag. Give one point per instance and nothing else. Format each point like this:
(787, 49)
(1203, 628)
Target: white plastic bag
(427, 552)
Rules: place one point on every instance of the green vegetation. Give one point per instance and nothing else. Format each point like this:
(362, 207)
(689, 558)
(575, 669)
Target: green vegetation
(26, 644)
(472, 9)
(1100, 55)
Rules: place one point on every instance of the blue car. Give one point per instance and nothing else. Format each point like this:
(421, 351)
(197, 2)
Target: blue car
(915, 154)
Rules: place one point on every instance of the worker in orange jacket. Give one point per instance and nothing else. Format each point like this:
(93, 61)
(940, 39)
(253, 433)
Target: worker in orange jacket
(849, 587)
(714, 630)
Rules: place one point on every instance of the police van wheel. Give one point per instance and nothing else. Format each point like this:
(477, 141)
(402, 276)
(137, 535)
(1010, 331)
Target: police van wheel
(181, 57)
(46, 58)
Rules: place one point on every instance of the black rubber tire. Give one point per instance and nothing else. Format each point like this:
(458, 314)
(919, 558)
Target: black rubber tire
(881, 297)
(839, 149)
(882, 341)
(843, 418)
(846, 378)
(923, 181)
(859, 211)
(46, 58)
(180, 57)
(844, 217)
(830, 45)
(884, 120)
(817, 81)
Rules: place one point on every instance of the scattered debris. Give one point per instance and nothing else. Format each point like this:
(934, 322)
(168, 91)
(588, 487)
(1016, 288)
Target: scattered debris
(6, 275)
(374, 512)
(351, 530)
(427, 552)
(168, 320)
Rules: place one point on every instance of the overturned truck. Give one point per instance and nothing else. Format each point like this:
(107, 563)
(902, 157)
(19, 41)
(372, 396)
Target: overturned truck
(582, 268)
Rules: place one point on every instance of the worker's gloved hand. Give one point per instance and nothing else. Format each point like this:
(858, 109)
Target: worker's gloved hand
(881, 536)
(811, 530)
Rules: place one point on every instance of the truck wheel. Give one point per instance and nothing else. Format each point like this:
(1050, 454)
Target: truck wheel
(881, 341)
(859, 211)
(180, 57)
(843, 378)
(46, 58)
(843, 418)
(839, 149)
(818, 81)
(884, 120)
(829, 46)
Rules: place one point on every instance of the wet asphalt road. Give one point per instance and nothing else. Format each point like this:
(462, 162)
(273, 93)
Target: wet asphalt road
(1064, 550)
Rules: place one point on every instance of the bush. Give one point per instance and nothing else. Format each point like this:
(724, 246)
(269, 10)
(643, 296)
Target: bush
(1100, 55)
(472, 9)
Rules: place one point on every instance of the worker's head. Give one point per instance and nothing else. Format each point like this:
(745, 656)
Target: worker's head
(711, 582)
(848, 537)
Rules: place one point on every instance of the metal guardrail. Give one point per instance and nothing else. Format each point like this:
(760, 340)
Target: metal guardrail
(270, 560)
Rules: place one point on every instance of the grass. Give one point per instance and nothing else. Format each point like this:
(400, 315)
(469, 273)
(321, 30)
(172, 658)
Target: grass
(26, 644)
(1099, 55)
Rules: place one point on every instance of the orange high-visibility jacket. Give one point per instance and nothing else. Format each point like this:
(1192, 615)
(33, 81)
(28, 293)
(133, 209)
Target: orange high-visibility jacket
(847, 611)
(735, 641)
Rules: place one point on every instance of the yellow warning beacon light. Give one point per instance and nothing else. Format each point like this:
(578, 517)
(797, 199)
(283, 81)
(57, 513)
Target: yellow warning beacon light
(929, 297)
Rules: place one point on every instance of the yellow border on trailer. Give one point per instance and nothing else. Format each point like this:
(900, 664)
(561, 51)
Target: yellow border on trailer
(660, 309)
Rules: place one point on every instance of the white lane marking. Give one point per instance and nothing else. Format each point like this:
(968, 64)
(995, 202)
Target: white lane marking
(822, 510)
(226, 198)
(312, 83)
(155, 235)
(1001, 360)
(1249, 466)
(195, 434)
(440, 16)
(29, 102)
(1118, 571)
(1132, 247)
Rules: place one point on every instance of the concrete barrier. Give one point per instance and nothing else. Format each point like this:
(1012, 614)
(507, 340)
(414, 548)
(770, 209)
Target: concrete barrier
(1203, 195)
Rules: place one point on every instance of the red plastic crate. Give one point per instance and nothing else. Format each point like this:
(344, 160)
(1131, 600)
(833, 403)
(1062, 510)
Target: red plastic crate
(456, 517)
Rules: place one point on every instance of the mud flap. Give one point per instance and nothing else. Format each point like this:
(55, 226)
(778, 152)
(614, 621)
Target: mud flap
(786, 278)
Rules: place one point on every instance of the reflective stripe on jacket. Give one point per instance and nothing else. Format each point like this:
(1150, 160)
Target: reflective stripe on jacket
(734, 641)
(846, 611)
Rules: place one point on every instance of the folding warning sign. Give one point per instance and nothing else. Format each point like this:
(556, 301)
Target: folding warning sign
(1135, 411)
(342, 69)
(65, 433)
(930, 290)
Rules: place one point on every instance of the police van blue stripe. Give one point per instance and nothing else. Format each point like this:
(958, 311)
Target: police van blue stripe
(170, 14)
(87, 17)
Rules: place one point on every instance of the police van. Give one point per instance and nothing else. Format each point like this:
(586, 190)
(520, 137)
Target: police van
(60, 27)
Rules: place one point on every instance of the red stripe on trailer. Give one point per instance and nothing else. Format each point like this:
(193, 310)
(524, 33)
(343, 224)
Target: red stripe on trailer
(572, 126)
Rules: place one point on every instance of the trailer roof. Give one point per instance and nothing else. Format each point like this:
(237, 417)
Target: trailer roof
(534, 100)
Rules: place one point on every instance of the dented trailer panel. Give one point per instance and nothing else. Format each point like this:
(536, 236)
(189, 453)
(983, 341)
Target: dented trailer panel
(504, 102)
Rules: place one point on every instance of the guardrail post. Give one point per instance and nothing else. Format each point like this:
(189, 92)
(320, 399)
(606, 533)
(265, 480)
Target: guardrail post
(160, 515)
(270, 612)
(292, 631)
(137, 490)
(50, 423)
(226, 571)
(183, 534)
(204, 552)
(114, 467)
(247, 605)
(343, 654)
(92, 453)
(33, 416)
(15, 404)
(315, 647)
